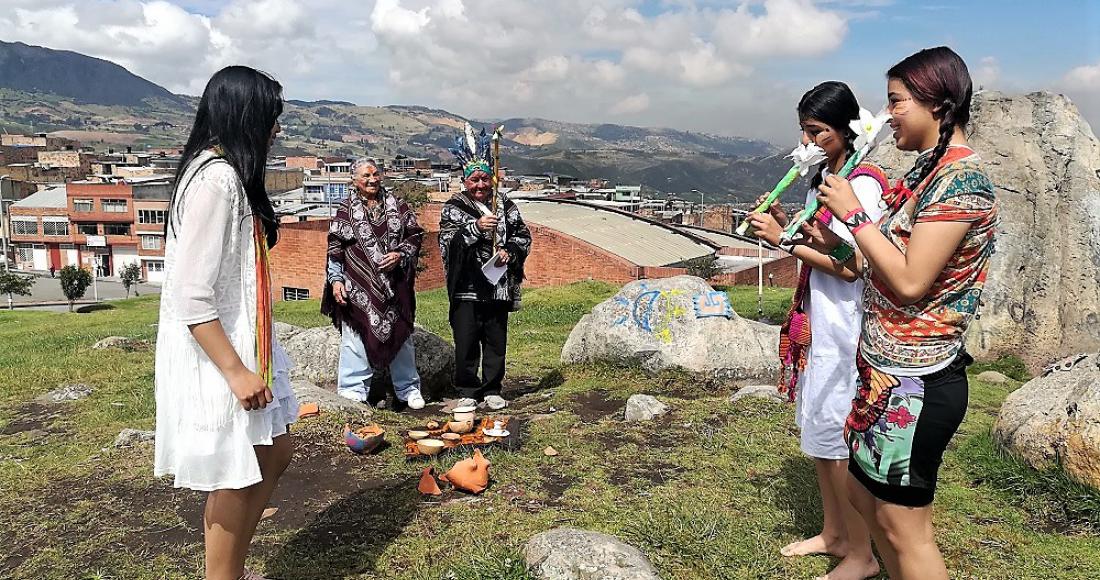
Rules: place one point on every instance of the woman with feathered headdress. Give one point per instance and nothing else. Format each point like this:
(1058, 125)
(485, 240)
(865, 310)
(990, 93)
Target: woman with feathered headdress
(473, 230)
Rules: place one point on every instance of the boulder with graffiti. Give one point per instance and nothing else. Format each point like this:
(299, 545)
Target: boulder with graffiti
(676, 322)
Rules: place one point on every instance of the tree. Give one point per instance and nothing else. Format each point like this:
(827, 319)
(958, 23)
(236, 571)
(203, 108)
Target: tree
(705, 267)
(131, 274)
(12, 283)
(412, 192)
(74, 283)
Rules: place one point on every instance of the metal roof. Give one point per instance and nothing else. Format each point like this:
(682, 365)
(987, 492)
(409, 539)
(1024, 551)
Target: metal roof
(52, 197)
(726, 240)
(636, 239)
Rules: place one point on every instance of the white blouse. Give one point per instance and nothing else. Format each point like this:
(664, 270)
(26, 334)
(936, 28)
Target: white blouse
(203, 435)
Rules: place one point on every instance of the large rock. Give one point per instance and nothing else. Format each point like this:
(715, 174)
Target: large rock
(66, 393)
(316, 354)
(327, 401)
(1042, 300)
(653, 322)
(570, 554)
(1054, 420)
(767, 392)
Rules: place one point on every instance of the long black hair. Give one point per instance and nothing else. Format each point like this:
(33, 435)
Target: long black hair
(834, 104)
(938, 79)
(236, 114)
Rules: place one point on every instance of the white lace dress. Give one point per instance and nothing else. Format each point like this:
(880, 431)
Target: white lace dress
(203, 435)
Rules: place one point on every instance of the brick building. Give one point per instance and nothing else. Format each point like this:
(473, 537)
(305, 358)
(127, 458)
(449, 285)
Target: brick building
(93, 224)
(571, 242)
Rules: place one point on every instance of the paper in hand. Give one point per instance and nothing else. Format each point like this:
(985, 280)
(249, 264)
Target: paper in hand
(493, 273)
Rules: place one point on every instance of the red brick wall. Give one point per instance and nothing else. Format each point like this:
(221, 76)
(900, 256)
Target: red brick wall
(298, 261)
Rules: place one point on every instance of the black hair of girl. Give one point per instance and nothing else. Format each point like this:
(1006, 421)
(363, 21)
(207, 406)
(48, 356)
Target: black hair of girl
(237, 112)
(938, 79)
(834, 104)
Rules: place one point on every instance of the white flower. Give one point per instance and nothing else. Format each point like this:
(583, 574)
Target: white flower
(807, 156)
(869, 128)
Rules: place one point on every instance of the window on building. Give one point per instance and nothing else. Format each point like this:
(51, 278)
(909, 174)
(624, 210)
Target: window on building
(83, 205)
(55, 228)
(24, 227)
(151, 216)
(114, 205)
(150, 242)
(116, 229)
(87, 229)
(154, 266)
(25, 253)
(295, 293)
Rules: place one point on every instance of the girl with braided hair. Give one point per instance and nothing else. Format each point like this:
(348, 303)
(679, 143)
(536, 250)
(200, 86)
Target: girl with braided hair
(925, 264)
(822, 329)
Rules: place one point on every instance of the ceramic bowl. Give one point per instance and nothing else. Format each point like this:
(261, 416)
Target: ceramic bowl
(464, 413)
(460, 426)
(429, 446)
(416, 435)
(455, 437)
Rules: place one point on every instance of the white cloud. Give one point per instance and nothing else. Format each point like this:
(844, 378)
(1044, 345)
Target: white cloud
(631, 105)
(988, 73)
(575, 60)
(1082, 84)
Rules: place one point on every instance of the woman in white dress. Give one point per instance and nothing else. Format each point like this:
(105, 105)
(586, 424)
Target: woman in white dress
(224, 401)
(827, 301)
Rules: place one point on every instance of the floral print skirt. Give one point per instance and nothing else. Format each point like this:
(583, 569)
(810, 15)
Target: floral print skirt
(899, 428)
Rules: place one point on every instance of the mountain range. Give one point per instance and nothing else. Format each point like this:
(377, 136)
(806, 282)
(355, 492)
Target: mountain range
(102, 104)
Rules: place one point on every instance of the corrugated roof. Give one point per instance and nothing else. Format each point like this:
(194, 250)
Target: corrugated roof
(725, 240)
(635, 239)
(52, 197)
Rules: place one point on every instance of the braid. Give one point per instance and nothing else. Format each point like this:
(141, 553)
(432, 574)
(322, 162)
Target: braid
(816, 181)
(947, 129)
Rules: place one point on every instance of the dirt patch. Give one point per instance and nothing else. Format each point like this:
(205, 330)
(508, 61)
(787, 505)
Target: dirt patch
(34, 418)
(656, 473)
(555, 483)
(595, 405)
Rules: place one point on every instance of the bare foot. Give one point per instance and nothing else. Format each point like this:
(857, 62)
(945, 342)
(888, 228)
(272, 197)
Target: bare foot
(818, 544)
(853, 568)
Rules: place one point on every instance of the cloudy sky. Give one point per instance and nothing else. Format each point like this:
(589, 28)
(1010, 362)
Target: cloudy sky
(734, 67)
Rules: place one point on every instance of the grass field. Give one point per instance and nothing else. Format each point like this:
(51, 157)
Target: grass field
(712, 490)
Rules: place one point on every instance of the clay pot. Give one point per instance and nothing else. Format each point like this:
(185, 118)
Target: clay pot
(427, 485)
(460, 426)
(451, 437)
(469, 475)
(365, 440)
(415, 435)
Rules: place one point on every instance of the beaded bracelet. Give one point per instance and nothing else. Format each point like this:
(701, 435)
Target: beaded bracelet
(842, 253)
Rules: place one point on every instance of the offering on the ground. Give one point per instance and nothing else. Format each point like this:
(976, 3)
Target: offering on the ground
(430, 446)
(470, 475)
(365, 439)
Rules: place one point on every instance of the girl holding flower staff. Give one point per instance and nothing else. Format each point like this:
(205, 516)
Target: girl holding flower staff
(820, 373)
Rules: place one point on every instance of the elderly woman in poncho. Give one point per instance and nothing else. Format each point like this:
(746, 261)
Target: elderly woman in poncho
(472, 232)
(373, 247)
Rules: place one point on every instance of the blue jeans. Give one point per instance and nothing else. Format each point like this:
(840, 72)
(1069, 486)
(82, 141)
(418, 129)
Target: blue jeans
(355, 373)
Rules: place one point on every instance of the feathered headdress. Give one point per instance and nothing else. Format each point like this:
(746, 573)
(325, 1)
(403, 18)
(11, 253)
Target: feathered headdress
(472, 151)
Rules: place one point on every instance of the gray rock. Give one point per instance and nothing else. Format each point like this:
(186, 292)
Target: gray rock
(120, 342)
(326, 400)
(768, 392)
(571, 554)
(1053, 421)
(316, 354)
(993, 378)
(1042, 298)
(128, 437)
(653, 323)
(63, 393)
(644, 408)
(284, 331)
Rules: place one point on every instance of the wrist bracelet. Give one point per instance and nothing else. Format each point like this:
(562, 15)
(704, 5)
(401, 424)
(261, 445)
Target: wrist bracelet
(856, 219)
(842, 253)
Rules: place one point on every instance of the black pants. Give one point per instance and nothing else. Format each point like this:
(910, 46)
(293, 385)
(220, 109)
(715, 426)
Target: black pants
(480, 332)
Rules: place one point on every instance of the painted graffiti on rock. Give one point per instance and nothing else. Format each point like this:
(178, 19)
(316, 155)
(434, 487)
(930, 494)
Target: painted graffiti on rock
(711, 304)
(652, 311)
